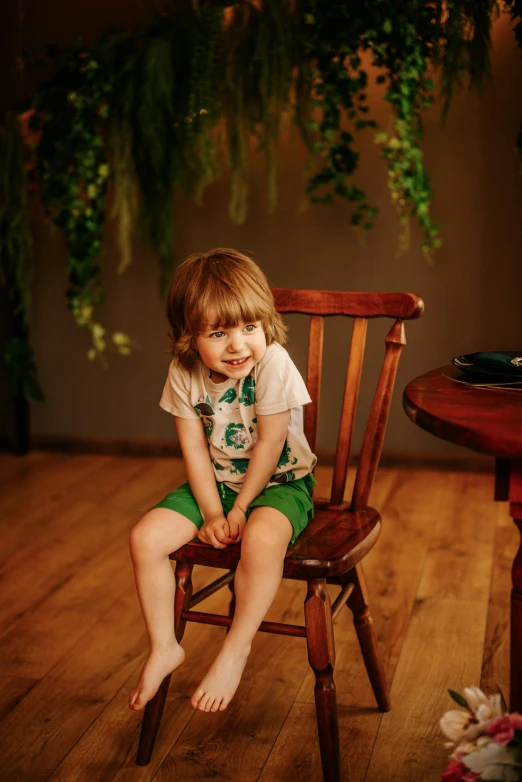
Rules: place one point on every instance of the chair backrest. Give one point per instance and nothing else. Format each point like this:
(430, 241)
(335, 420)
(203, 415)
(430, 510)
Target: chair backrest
(360, 307)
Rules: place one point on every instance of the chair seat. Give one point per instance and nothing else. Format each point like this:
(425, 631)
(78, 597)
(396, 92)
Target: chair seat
(334, 541)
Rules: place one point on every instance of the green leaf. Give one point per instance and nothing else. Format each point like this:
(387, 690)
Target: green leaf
(459, 699)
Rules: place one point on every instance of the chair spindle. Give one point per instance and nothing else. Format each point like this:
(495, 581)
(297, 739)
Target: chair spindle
(376, 427)
(313, 378)
(351, 392)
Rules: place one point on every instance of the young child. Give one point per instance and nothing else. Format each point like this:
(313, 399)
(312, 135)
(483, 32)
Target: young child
(236, 397)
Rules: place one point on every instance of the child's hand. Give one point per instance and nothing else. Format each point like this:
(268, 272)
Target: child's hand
(215, 532)
(236, 522)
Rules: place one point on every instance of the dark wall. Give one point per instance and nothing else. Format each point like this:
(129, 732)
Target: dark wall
(472, 290)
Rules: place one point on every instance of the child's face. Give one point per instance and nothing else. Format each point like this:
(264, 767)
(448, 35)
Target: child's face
(232, 351)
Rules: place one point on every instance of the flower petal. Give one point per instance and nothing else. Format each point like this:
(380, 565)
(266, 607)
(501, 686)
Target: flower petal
(453, 724)
(475, 697)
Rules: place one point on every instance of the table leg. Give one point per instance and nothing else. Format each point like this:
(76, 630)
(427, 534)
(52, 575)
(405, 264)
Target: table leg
(516, 622)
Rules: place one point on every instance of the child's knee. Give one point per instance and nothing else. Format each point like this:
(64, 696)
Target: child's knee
(270, 535)
(142, 538)
(158, 533)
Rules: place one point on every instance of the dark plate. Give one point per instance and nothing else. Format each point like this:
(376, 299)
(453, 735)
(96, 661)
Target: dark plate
(464, 363)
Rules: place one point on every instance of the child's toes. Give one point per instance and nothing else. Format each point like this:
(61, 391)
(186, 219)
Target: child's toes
(133, 702)
(138, 702)
(215, 705)
(194, 701)
(202, 702)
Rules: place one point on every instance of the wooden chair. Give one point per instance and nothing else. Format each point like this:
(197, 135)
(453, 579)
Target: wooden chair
(339, 536)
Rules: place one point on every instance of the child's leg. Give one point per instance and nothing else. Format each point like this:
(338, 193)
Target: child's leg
(263, 548)
(160, 532)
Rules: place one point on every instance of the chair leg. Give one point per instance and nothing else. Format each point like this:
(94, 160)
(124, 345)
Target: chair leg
(358, 604)
(321, 655)
(154, 708)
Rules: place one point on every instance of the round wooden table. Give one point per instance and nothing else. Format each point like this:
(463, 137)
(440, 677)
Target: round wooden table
(489, 421)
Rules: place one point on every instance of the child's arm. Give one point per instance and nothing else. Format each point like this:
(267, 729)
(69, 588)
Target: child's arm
(201, 478)
(272, 431)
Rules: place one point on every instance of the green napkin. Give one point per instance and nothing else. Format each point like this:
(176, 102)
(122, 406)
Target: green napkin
(497, 363)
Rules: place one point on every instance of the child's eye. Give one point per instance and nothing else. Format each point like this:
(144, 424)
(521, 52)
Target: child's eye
(251, 326)
(217, 334)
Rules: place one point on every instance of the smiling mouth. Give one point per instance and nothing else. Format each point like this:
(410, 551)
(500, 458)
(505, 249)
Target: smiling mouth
(237, 362)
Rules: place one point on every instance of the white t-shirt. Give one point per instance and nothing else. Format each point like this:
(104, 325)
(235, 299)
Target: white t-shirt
(229, 410)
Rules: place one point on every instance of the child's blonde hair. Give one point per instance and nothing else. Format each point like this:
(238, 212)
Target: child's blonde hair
(226, 286)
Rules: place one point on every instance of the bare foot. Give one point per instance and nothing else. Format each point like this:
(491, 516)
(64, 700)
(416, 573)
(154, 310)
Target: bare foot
(158, 664)
(219, 685)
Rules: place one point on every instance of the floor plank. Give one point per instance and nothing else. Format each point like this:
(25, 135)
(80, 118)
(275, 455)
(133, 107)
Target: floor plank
(495, 665)
(12, 690)
(77, 532)
(443, 648)
(111, 741)
(203, 750)
(34, 501)
(445, 636)
(73, 639)
(393, 575)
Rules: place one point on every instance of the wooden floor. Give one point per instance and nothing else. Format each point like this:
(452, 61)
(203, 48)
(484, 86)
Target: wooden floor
(73, 640)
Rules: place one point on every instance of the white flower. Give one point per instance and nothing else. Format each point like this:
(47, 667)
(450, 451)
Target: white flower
(494, 762)
(454, 724)
(484, 708)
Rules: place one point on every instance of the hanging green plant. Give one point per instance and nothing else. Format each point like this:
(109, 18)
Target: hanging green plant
(15, 233)
(202, 160)
(401, 41)
(73, 170)
(154, 113)
(16, 258)
(336, 101)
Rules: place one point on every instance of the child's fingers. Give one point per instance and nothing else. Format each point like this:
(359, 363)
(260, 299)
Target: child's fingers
(234, 529)
(216, 536)
(220, 535)
(215, 542)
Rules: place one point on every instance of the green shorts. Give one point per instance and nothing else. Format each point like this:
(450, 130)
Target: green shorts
(292, 498)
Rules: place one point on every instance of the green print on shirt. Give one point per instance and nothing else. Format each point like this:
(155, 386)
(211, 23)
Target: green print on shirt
(238, 466)
(229, 396)
(247, 397)
(285, 459)
(236, 436)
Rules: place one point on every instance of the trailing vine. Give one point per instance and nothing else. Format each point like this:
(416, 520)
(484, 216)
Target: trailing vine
(16, 258)
(336, 86)
(73, 170)
(145, 115)
(409, 91)
(258, 79)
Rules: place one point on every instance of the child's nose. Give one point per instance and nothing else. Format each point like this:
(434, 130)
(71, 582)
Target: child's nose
(236, 342)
